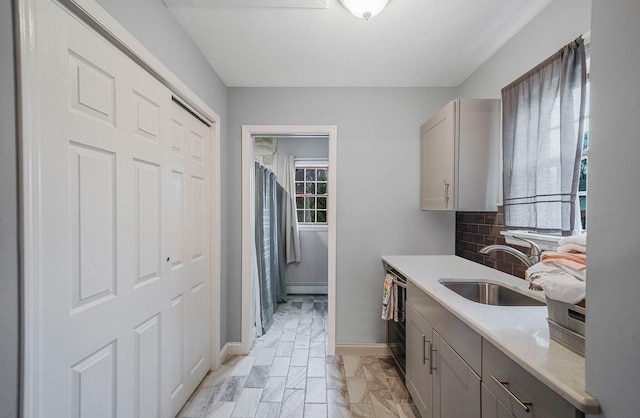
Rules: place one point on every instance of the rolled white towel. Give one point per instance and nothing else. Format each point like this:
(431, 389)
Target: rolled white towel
(580, 275)
(572, 248)
(541, 269)
(574, 239)
(563, 287)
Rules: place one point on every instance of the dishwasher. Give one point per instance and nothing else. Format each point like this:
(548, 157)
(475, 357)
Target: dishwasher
(396, 330)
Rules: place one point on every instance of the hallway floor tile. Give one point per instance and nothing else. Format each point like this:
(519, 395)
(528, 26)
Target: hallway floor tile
(288, 374)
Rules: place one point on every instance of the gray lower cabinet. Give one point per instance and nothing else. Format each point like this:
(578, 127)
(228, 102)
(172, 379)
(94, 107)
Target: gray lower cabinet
(418, 377)
(520, 392)
(440, 382)
(456, 387)
(492, 407)
(450, 367)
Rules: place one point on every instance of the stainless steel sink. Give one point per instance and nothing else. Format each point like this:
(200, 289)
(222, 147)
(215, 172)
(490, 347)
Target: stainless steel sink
(490, 293)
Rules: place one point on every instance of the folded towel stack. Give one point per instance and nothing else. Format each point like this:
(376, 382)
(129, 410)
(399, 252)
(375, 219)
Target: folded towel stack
(563, 274)
(573, 244)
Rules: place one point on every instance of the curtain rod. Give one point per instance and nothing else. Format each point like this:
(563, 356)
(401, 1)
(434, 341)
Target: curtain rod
(265, 167)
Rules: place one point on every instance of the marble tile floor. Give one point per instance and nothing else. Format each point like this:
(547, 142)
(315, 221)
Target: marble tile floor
(288, 374)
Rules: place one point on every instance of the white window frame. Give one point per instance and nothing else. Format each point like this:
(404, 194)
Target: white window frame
(311, 163)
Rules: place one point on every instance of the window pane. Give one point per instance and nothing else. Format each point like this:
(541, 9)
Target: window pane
(311, 194)
(310, 174)
(310, 216)
(309, 202)
(588, 96)
(583, 211)
(585, 137)
(582, 182)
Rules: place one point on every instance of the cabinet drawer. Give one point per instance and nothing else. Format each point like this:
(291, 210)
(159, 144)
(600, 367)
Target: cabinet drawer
(492, 407)
(457, 386)
(465, 341)
(518, 384)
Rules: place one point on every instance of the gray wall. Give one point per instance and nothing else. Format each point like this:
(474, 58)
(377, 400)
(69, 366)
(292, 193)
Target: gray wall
(555, 26)
(613, 333)
(153, 25)
(381, 126)
(301, 148)
(312, 269)
(378, 187)
(613, 328)
(9, 273)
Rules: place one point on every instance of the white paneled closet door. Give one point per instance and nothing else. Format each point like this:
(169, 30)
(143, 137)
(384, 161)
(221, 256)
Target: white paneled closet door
(187, 226)
(123, 231)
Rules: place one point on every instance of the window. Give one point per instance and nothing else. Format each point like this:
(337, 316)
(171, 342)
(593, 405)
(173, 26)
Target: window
(542, 138)
(311, 192)
(582, 181)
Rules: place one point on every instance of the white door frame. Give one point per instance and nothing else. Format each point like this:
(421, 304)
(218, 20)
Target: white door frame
(89, 12)
(248, 131)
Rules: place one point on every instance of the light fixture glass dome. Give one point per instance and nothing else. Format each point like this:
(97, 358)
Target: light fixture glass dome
(364, 9)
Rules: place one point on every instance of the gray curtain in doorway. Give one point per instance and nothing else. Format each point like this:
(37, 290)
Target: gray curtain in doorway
(269, 251)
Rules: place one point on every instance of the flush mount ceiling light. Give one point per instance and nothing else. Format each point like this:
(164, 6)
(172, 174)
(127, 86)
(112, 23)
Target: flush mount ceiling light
(364, 9)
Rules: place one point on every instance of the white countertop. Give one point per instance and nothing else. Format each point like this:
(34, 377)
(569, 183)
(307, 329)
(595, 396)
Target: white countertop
(521, 332)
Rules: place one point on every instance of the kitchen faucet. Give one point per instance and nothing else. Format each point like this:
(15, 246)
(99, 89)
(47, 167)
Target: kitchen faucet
(528, 260)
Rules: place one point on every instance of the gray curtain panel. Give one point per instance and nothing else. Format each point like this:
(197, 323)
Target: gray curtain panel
(268, 244)
(282, 200)
(542, 122)
(290, 231)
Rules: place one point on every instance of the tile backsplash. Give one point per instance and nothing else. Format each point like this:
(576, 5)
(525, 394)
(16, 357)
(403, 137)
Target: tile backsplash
(474, 230)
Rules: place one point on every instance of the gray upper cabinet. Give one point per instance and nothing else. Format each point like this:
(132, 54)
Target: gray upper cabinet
(460, 157)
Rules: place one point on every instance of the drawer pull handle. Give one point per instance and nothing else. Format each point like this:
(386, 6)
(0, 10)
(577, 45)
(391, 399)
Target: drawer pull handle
(523, 404)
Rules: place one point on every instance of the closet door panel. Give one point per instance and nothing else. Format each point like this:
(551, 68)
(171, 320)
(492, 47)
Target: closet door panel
(119, 220)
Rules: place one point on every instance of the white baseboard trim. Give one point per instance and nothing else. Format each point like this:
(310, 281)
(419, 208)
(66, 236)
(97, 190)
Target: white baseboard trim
(380, 350)
(307, 289)
(229, 349)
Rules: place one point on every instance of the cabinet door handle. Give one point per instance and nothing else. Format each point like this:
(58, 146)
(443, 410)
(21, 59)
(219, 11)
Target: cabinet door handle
(431, 351)
(446, 191)
(424, 350)
(523, 404)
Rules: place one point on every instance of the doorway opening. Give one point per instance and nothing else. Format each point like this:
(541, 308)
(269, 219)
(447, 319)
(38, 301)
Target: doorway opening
(318, 215)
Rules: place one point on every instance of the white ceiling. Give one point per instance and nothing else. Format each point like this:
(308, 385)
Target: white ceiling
(317, 43)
